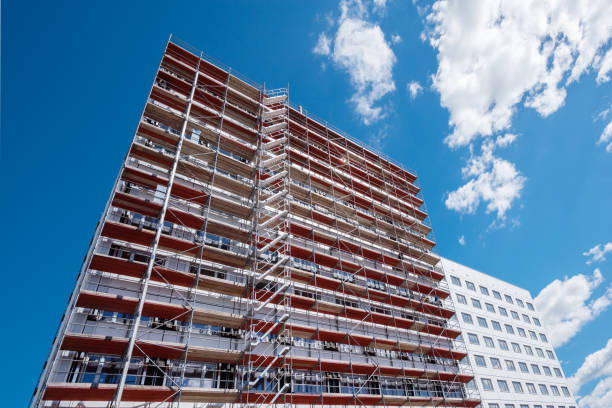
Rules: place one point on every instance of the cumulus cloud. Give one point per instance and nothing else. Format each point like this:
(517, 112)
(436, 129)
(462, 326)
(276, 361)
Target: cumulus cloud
(598, 253)
(567, 305)
(605, 67)
(595, 365)
(359, 47)
(396, 39)
(414, 88)
(600, 397)
(462, 240)
(606, 137)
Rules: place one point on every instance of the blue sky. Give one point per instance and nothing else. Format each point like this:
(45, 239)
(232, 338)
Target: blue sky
(75, 76)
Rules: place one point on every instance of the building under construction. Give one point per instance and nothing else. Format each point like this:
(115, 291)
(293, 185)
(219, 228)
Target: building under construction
(252, 254)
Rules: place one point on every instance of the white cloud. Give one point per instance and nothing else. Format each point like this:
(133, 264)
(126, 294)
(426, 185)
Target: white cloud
(567, 305)
(396, 39)
(505, 140)
(462, 240)
(491, 180)
(606, 136)
(596, 365)
(360, 48)
(605, 67)
(414, 88)
(598, 252)
(600, 397)
(322, 46)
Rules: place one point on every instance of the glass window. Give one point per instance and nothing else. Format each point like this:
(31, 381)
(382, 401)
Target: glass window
(531, 388)
(550, 354)
(521, 332)
(520, 303)
(503, 311)
(467, 318)
(496, 325)
(539, 352)
(484, 290)
(535, 369)
(480, 360)
(547, 371)
(487, 385)
(543, 338)
(493, 405)
(482, 322)
(490, 307)
(533, 335)
(517, 387)
(473, 338)
(516, 348)
(470, 286)
(515, 315)
(543, 389)
(495, 363)
(456, 280)
(461, 299)
(508, 299)
(509, 329)
(555, 390)
(523, 406)
(488, 341)
(510, 365)
(502, 344)
(557, 372)
(529, 306)
(565, 391)
(528, 350)
(496, 295)
(536, 321)
(476, 303)
(526, 319)
(509, 406)
(523, 367)
(503, 386)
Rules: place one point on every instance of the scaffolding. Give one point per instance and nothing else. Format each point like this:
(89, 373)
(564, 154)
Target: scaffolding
(251, 254)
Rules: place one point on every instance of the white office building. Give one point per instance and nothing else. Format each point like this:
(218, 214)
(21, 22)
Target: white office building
(515, 365)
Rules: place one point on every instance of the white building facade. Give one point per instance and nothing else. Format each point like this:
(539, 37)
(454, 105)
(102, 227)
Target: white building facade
(514, 363)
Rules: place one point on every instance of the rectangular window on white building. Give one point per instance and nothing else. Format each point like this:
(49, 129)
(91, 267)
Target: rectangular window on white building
(470, 286)
(530, 306)
(503, 386)
(536, 321)
(502, 344)
(490, 307)
(472, 338)
(484, 290)
(517, 387)
(467, 318)
(509, 299)
(496, 295)
(555, 390)
(509, 329)
(476, 303)
(461, 299)
(487, 384)
(543, 389)
(523, 367)
(520, 302)
(510, 365)
(495, 363)
(516, 348)
(456, 280)
(535, 369)
(488, 342)
(496, 325)
(531, 388)
(503, 311)
(482, 322)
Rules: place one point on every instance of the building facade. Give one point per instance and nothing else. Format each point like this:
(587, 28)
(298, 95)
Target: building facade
(252, 254)
(514, 363)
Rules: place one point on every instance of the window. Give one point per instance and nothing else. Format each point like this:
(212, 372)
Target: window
(533, 335)
(531, 388)
(510, 365)
(526, 319)
(521, 332)
(496, 295)
(523, 406)
(496, 325)
(516, 348)
(488, 342)
(503, 386)
(495, 363)
(530, 306)
(502, 344)
(493, 405)
(480, 360)
(490, 307)
(523, 367)
(484, 290)
(550, 354)
(517, 387)
(555, 390)
(509, 406)
(536, 321)
(565, 391)
(476, 303)
(543, 338)
(456, 280)
(520, 303)
(473, 338)
(470, 286)
(557, 372)
(487, 385)
(482, 322)
(515, 315)
(467, 318)
(547, 371)
(503, 311)
(539, 352)
(461, 299)
(543, 389)
(508, 299)
(535, 369)
(509, 329)
(528, 350)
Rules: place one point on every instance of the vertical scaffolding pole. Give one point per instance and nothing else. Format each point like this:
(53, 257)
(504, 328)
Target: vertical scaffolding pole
(158, 231)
